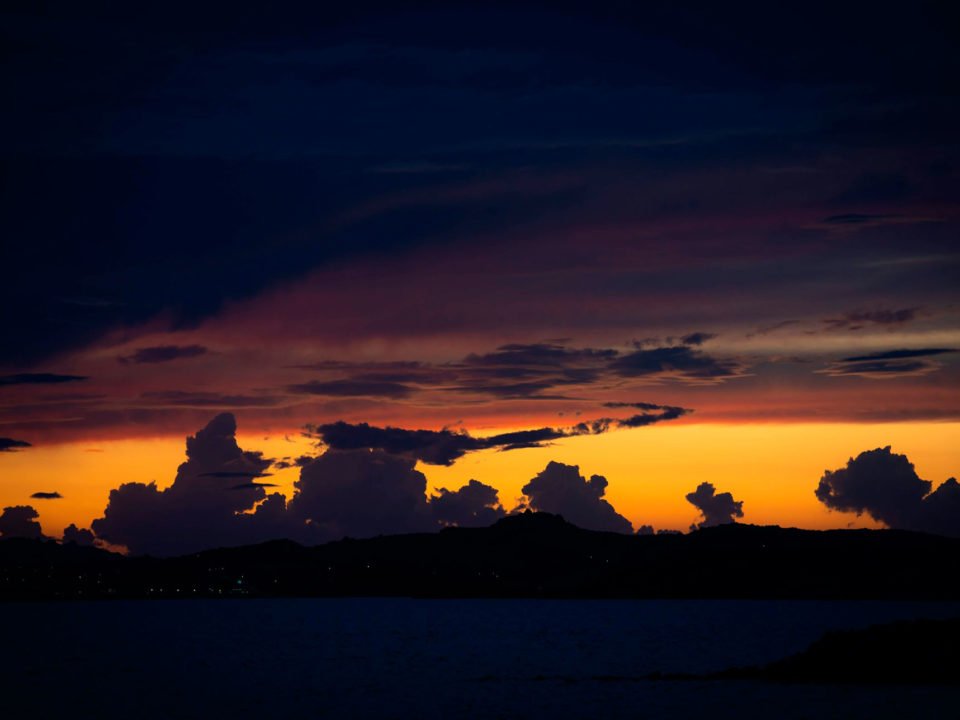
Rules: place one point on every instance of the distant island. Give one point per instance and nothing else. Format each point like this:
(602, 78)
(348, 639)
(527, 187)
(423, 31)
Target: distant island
(524, 555)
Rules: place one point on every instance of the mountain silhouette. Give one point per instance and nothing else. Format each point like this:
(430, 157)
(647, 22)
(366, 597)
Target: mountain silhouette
(524, 555)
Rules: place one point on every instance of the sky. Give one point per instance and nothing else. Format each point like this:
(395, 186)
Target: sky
(364, 254)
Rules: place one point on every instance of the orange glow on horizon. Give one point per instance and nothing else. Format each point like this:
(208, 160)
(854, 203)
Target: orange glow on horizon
(773, 468)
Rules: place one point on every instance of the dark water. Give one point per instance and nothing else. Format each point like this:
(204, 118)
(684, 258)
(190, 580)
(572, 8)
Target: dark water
(396, 658)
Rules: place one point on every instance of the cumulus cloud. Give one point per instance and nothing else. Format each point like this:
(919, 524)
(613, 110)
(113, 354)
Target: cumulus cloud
(20, 521)
(46, 496)
(196, 511)
(562, 490)
(162, 354)
(473, 505)
(360, 493)
(715, 508)
(885, 486)
(365, 492)
(11, 445)
(216, 501)
(77, 536)
(352, 489)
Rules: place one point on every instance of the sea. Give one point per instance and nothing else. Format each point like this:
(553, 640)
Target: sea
(411, 658)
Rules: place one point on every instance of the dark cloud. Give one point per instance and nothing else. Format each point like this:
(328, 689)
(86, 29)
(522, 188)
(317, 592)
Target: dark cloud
(443, 447)
(287, 462)
(77, 536)
(533, 371)
(680, 361)
(234, 474)
(46, 496)
(637, 405)
(10, 445)
(539, 355)
(645, 530)
(162, 354)
(859, 319)
(529, 371)
(20, 521)
(881, 369)
(649, 418)
(891, 363)
(716, 508)
(697, 338)
(940, 510)
(194, 512)
(435, 447)
(360, 493)
(345, 492)
(248, 197)
(39, 379)
(440, 447)
(878, 482)
(899, 354)
(364, 492)
(473, 505)
(885, 485)
(353, 388)
(356, 492)
(562, 490)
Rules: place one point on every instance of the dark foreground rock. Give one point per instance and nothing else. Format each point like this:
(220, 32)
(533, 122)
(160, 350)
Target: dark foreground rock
(921, 652)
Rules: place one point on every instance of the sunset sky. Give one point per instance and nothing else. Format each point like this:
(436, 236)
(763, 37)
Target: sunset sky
(720, 249)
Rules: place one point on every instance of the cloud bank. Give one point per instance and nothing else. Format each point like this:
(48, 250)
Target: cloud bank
(352, 492)
(347, 491)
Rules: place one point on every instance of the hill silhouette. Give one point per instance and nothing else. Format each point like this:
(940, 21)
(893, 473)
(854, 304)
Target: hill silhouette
(525, 555)
(914, 652)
